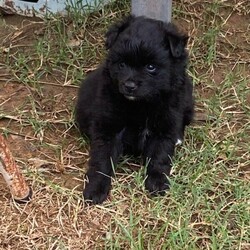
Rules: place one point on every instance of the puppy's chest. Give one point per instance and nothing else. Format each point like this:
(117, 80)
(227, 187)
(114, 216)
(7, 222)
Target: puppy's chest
(140, 126)
(143, 136)
(142, 129)
(136, 136)
(143, 121)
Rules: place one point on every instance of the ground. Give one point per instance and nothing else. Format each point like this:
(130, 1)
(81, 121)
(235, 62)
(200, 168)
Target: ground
(41, 65)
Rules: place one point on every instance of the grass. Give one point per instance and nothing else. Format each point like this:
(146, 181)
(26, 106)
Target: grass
(207, 206)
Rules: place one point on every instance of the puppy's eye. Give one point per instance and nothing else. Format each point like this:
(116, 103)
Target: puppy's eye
(150, 68)
(122, 65)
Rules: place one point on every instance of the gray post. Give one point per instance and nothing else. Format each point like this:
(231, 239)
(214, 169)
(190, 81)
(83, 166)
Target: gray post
(156, 9)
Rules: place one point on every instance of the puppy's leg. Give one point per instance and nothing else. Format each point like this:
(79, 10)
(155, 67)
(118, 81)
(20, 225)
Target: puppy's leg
(159, 151)
(103, 154)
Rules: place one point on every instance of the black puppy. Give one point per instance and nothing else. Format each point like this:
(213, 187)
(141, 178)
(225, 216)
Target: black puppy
(138, 102)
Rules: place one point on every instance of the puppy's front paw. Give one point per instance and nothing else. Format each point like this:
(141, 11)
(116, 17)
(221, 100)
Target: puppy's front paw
(97, 190)
(157, 183)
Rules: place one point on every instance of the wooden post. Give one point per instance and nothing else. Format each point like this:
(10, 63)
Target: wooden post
(158, 9)
(20, 191)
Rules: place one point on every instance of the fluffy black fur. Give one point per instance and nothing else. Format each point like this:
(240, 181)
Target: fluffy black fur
(137, 102)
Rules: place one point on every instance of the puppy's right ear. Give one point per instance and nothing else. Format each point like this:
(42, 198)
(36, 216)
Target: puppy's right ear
(116, 29)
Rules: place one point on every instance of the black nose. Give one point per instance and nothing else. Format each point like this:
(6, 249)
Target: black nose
(130, 86)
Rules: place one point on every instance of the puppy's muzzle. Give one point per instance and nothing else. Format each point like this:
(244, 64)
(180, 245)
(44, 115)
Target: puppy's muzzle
(129, 87)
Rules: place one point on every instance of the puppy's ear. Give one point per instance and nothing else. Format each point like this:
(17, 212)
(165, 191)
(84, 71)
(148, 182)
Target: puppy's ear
(177, 45)
(116, 29)
(176, 41)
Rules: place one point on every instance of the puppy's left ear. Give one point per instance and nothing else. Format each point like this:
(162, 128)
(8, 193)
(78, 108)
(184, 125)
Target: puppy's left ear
(178, 45)
(116, 29)
(176, 41)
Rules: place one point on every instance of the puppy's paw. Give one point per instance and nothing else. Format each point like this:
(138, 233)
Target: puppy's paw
(157, 183)
(97, 190)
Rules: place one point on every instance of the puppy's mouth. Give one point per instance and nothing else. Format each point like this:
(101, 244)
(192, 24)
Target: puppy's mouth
(128, 89)
(130, 97)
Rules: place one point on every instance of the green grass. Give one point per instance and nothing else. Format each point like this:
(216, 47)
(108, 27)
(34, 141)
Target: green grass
(207, 206)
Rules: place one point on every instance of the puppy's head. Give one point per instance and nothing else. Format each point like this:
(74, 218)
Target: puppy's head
(145, 55)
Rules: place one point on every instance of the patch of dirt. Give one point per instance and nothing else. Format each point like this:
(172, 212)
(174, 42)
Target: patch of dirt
(16, 29)
(12, 95)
